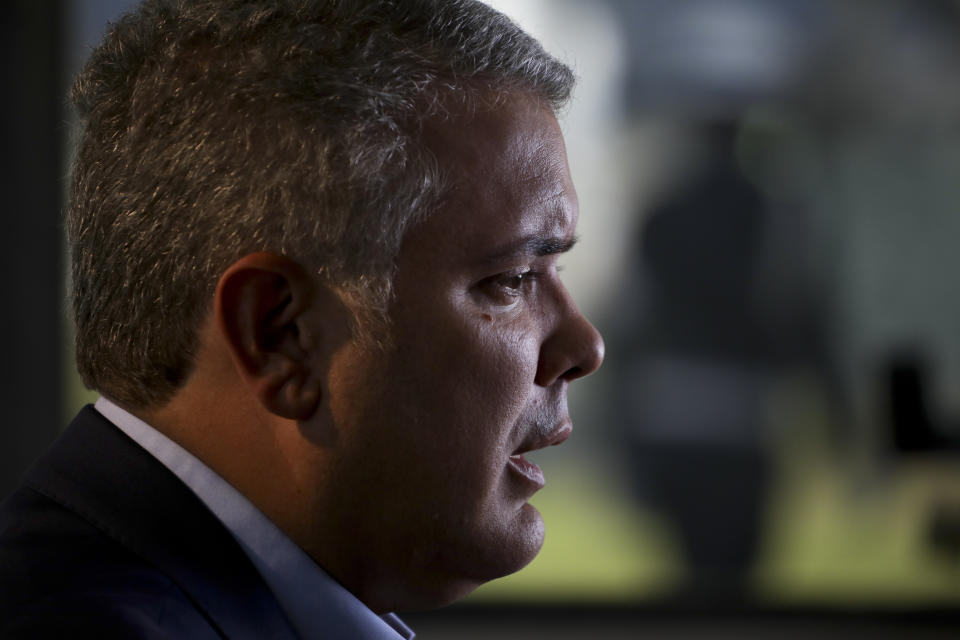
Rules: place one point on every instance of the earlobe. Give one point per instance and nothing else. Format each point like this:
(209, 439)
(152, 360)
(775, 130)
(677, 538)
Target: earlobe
(262, 304)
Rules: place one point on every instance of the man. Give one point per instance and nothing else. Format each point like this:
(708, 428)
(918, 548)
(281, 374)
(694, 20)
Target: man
(314, 250)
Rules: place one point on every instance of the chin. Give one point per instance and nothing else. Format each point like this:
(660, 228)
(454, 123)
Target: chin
(532, 533)
(470, 563)
(512, 548)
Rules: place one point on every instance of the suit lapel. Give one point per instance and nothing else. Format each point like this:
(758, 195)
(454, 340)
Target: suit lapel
(98, 472)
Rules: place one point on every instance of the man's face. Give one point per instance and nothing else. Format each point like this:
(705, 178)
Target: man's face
(431, 485)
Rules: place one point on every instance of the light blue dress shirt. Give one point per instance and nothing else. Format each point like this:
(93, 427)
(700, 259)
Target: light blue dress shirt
(316, 604)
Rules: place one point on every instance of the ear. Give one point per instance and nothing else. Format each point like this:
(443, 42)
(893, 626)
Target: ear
(263, 305)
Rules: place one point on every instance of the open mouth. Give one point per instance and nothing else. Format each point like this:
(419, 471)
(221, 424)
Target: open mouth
(527, 470)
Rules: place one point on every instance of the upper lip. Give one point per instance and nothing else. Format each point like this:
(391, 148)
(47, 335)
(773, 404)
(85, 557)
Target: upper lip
(540, 440)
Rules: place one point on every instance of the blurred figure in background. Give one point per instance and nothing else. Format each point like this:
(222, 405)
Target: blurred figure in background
(700, 364)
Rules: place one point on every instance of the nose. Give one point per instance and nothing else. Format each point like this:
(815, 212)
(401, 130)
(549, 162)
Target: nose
(573, 350)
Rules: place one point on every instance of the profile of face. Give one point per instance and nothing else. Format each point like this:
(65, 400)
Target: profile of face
(431, 483)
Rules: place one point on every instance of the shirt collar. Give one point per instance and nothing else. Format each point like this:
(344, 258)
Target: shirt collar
(316, 604)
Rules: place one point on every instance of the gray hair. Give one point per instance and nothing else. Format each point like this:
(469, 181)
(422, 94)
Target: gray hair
(216, 128)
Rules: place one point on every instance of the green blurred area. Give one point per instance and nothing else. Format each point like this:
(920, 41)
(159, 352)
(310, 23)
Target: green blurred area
(831, 540)
(824, 545)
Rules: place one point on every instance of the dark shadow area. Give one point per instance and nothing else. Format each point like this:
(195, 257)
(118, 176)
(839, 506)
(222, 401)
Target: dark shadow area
(671, 620)
(33, 121)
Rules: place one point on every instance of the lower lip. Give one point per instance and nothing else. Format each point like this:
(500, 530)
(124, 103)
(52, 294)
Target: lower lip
(528, 471)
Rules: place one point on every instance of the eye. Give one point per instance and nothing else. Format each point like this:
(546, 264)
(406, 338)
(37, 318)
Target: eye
(516, 281)
(505, 288)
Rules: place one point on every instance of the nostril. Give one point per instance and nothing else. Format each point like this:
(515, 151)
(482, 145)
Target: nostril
(573, 373)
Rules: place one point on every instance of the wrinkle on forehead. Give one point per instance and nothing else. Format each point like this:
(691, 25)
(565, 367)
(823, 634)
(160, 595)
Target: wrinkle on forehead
(525, 150)
(518, 137)
(508, 178)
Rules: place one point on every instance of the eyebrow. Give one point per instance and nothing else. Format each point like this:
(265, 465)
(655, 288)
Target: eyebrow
(531, 246)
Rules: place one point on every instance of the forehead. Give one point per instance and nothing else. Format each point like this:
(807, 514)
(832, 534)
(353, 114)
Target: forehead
(508, 178)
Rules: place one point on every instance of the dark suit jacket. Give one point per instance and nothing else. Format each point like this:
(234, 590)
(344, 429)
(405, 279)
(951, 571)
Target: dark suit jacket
(103, 541)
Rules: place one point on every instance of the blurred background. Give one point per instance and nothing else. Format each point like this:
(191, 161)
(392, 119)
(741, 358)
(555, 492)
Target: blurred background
(769, 196)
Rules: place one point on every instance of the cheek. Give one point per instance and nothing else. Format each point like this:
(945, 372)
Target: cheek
(496, 364)
(463, 389)
(473, 352)
(461, 379)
